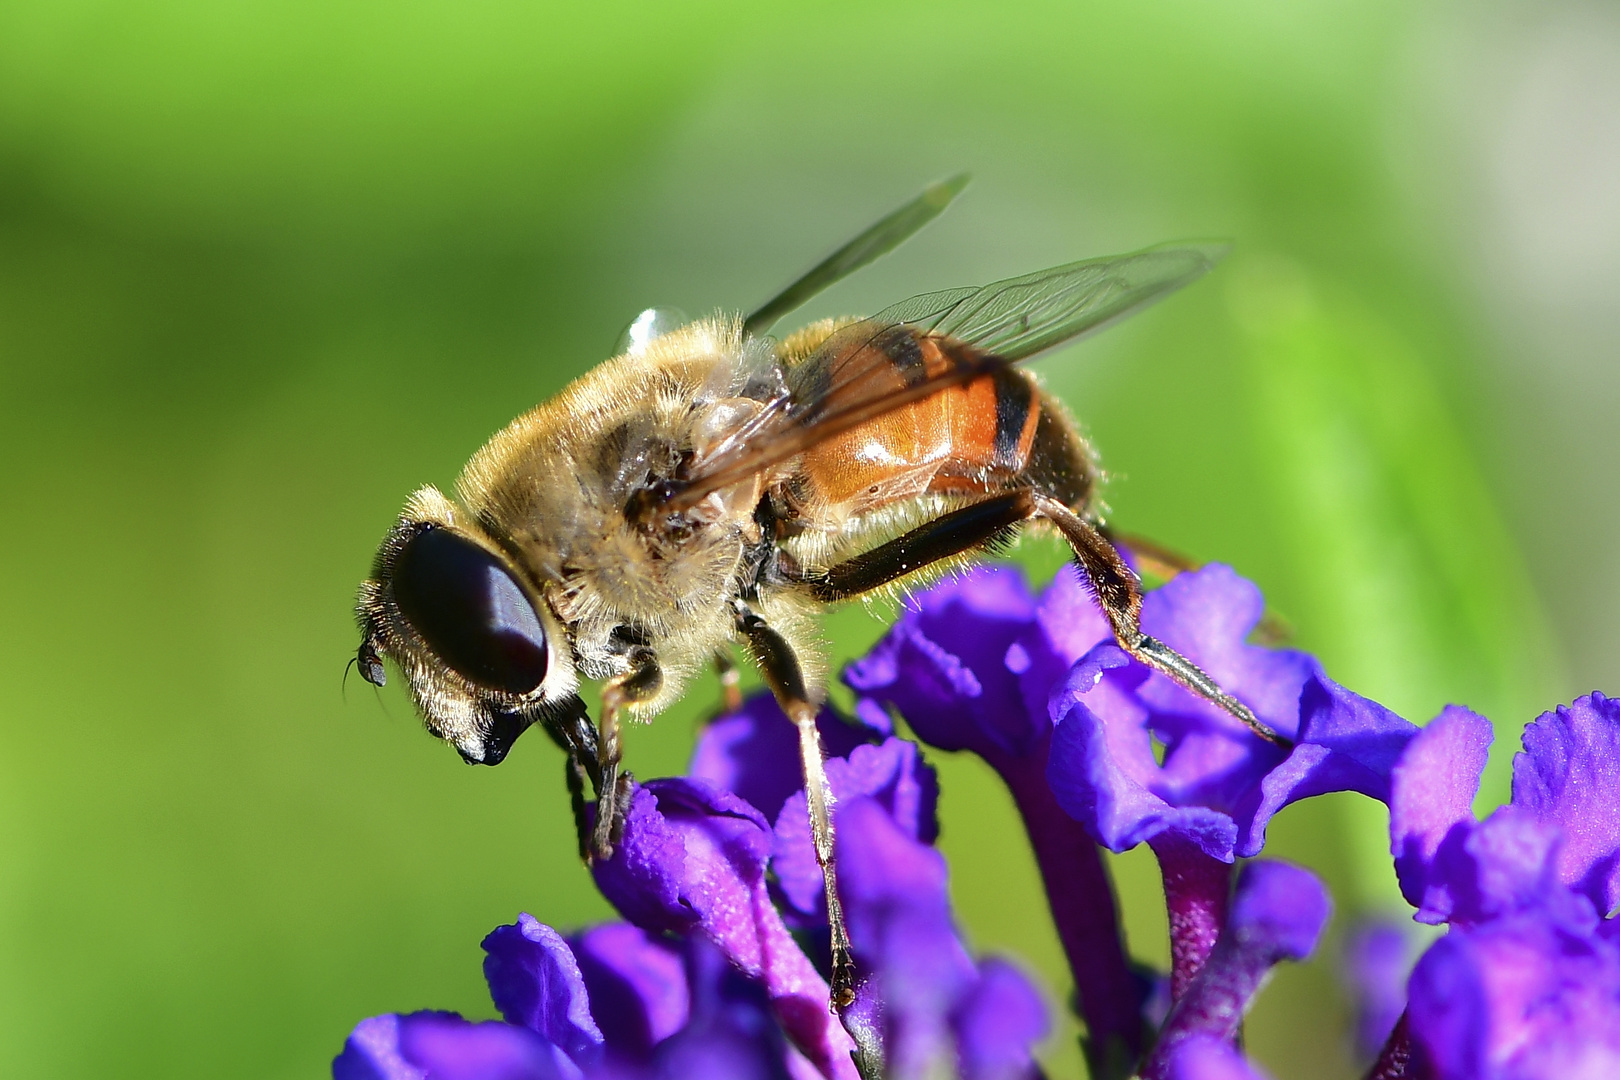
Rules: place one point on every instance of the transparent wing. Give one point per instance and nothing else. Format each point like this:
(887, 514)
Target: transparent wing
(867, 369)
(875, 242)
(1020, 317)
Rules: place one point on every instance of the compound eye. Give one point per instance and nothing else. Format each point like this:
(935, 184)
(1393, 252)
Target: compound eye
(465, 606)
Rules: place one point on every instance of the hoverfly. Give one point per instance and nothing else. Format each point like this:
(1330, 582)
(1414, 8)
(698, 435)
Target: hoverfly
(714, 487)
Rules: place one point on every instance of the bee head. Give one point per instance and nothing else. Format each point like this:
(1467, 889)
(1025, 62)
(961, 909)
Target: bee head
(482, 653)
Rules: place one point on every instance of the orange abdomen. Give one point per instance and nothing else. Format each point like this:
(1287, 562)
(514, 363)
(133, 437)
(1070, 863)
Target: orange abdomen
(972, 437)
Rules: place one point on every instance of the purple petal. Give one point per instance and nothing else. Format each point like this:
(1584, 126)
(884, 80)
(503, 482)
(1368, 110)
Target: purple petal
(1207, 616)
(1569, 775)
(1209, 759)
(1432, 791)
(453, 1049)
(1377, 960)
(1068, 624)
(691, 855)
(1218, 784)
(1278, 910)
(1104, 774)
(535, 981)
(898, 910)
(754, 752)
(731, 1034)
(943, 665)
(693, 858)
(1203, 1057)
(372, 1052)
(637, 985)
(1347, 743)
(894, 774)
(1521, 997)
(443, 1046)
(997, 1023)
(1069, 618)
(1510, 863)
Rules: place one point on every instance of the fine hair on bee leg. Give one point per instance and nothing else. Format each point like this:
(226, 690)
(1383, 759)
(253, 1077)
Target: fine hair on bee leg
(641, 683)
(783, 673)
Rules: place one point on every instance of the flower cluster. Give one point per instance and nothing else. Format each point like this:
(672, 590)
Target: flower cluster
(719, 967)
(1526, 982)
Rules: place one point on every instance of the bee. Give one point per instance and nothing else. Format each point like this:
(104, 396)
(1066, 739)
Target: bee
(714, 487)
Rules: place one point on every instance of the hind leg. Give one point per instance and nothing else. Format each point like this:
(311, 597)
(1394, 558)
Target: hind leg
(1115, 586)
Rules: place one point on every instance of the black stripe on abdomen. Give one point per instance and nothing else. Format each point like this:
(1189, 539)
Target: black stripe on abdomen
(1014, 400)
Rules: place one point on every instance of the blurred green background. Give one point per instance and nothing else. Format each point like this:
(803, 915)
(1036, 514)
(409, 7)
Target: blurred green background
(266, 267)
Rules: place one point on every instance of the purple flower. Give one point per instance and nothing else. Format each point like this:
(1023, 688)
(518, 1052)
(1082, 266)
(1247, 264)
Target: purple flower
(443, 1046)
(1569, 776)
(637, 986)
(1561, 828)
(705, 979)
(971, 667)
(728, 1033)
(1526, 997)
(892, 773)
(941, 1013)
(754, 752)
(1214, 782)
(944, 665)
(693, 860)
(536, 983)
(1137, 758)
(926, 1005)
(1526, 984)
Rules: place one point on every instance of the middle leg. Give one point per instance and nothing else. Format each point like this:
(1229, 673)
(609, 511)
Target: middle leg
(782, 672)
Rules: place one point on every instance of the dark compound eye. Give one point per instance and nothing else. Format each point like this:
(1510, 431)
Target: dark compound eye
(462, 602)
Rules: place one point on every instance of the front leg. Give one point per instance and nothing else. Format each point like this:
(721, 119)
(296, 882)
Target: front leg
(782, 672)
(569, 725)
(641, 683)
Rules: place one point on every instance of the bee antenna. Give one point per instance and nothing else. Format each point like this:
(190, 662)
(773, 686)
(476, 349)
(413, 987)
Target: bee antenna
(353, 660)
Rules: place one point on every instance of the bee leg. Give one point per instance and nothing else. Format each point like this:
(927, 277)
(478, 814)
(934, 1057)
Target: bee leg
(982, 523)
(964, 529)
(786, 679)
(641, 683)
(574, 777)
(1115, 586)
(730, 682)
(569, 725)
